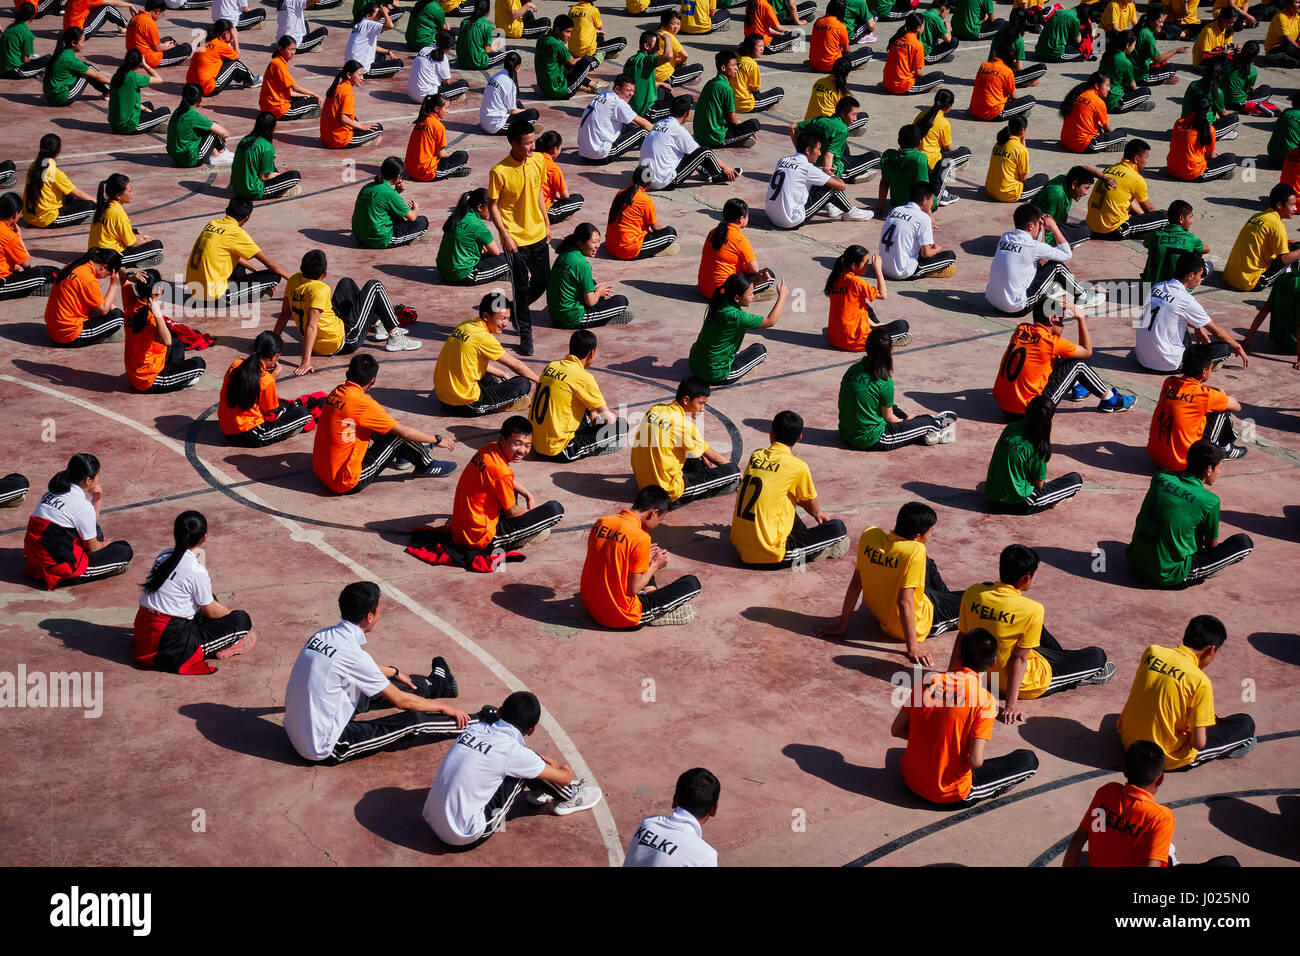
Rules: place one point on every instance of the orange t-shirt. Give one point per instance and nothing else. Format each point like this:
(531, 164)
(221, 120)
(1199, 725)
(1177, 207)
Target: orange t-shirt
(70, 304)
(145, 355)
(1179, 419)
(236, 421)
(764, 19)
(486, 488)
(343, 103)
(1126, 827)
(848, 326)
(995, 83)
(343, 435)
(75, 12)
(277, 84)
(426, 140)
(552, 181)
(142, 35)
(617, 547)
(718, 265)
(947, 712)
(906, 59)
(1291, 170)
(830, 41)
(205, 64)
(12, 251)
(624, 236)
(1186, 158)
(1084, 122)
(1027, 364)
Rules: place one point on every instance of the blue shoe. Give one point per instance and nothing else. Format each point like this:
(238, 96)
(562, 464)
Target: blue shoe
(436, 469)
(1078, 393)
(1120, 403)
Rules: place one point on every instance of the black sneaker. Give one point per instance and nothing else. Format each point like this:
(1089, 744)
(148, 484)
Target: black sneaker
(487, 714)
(524, 348)
(1233, 452)
(441, 677)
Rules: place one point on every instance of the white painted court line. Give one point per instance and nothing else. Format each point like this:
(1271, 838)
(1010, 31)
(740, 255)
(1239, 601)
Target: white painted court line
(604, 818)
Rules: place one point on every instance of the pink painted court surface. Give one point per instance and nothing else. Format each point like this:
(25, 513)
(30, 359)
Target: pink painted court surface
(796, 728)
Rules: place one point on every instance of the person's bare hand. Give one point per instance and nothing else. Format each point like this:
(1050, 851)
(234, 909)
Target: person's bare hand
(837, 630)
(462, 718)
(403, 679)
(1011, 715)
(304, 369)
(446, 441)
(919, 655)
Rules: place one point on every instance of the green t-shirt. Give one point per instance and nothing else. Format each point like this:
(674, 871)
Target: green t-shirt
(1196, 92)
(184, 133)
(462, 247)
(15, 43)
(378, 206)
(641, 67)
(1054, 199)
(1284, 311)
(1146, 51)
(1121, 72)
(856, 13)
(254, 158)
(124, 103)
(552, 57)
(60, 76)
(570, 280)
(880, 8)
(969, 17)
(782, 10)
(719, 340)
(901, 168)
(1285, 136)
(1236, 86)
(1061, 30)
(1165, 247)
(932, 29)
(1017, 46)
(835, 138)
(1014, 468)
(470, 41)
(861, 398)
(1179, 515)
(713, 111)
(422, 26)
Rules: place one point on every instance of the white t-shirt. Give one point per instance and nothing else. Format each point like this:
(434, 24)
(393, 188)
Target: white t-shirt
(602, 121)
(186, 589)
(1163, 326)
(228, 10)
(362, 42)
(664, 148)
(1014, 266)
(676, 840)
(427, 75)
(787, 190)
(328, 680)
(72, 509)
(475, 766)
(499, 97)
(907, 229)
(291, 21)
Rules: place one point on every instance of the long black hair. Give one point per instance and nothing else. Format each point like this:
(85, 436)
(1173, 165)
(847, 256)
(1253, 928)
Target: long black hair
(348, 68)
(911, 24)
(943, 99)
(130, 63)
(1092, 82)
(50, 146)
(188, 530)
(582, 232)
(469, 202)
(733, 210)
(98, 256)
(263, 128)
(80, 467)
(1016, 25)
(850, 257)
(191, 96)
(878, 357)
(218, 27)
(143, 284)
(1116, 43)
(726, 294)
(1148, 18)
(245, 382)
(1015, 126)
(430, 103)
(511, 63)
(1198, 115)
(1212, 71)
(1038, 426)
(641, 178)
(68, 37)
(477, 12)
(839, 74)
(107, 193)
(1244, 60)
(442, 41)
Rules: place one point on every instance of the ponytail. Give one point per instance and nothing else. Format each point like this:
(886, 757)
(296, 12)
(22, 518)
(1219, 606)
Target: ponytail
(189, 529)
(847, 259)
(840, 71)
(363, 12)
(107, 193)
(641, 178)
(130, 63)
(1092, 82)
(910, 25)
(726, 294)
(98, 256)
(80, 467)
(733, 210)
(943, 100)
(50, 146)
(143, 285)
(350, 67)
(1015, 126)
(68, 37)
(442, 42)
(245, 383)
(433, 101)
(1038, 426)
(468, 203)
(1200, 123)
(581, 233)
(191, 96)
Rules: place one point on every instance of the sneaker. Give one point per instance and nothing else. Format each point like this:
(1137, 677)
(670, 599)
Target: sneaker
(401, 465)
(8, 179)
(224, 158)
(1103, 676)
(460, 173)
(679, 615)
(623, 318)
(1091, 298)
(947, 199)
(945, 272)
(441, 676)
(405, 315)
(584, 799)
(291, 192)
(948, 435)
(241, 646)
(672, 249)
(1233, 452)
(524, 348)
(539, 798)
(1122, 402)
(945, 59)
(768, 293)
(436, 469)
(869, 38)
(531, 539)
(519, 404)
(1146, 107)
(14, 503)
(1218, 364)
(1230, 134)
(947, 417)
(1244, 749)
(838, 550)
(857, 214)
(538, 128)
(399, 341)
(379, 334)
(1078, 393)
(903, 340)
(748, 143)
(422, 238)
(1001, 790)
(254, 83)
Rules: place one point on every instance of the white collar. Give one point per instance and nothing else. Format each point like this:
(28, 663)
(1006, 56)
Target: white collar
(352, 631)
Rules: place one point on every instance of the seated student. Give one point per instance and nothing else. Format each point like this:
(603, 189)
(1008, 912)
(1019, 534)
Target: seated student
(431, 71)
(651, 99)
(1030, 662)
(801, 186)
(1123, 211)
(1283, 40)
(1283, 304)
(907, 239)
(973, 20)
(427, 160)
(834, 134)
(1025, 269)
(111, 227)
(381, 218)
(588, 37)
(678, 839)
(124, 102)
(573, 297)
(17, 46)
(154, 357)
(500, 102)
(465, 378)
(427, 19)
(747, 82)
(215, 66)
(50, 200)
(13, 489)
(560, 204)
(1008, 178)
(1058, 197)
(368, 22)
(517, 20)
(192, 138)
(571, 419)
(1117, 66)
(610, 126)
(1169, 317)
(1171, 702)
(906, 60)
(1152, 66)
(761, 19)
(727, 251)
(670, 453)
(673, 68)
(946, 724)
(633, 230)
(91, 16)
(674, 156)
(1285, 135)
(936, 37)
(1118, 16)
(1166, 246)
(994, 95)
(66, 74)
(1176, 536)
(487, 768)
(1086, 126)
(476, 46)
(1016, 482)
(291, 22)
(851, 319)
(467, 253)
(356, 439)
(860, 21)
(334, 681)
(716, 357)
(1062, 37)
(64, 543)
(339, 128)
(1189, 410)
(1210, 87)
(868, 418)
(1238, 85)
(253, 174)
(703, 17)
(250, 411)
(902, 168)
(829, 90)
(618, 574)
(936, 142)
(77, 313)
(179, 625)
(830, 41)
(18, 277)
(237, 12)
(280, 95)
(1262, 252)
(560, 75)
(765, 529)
(717, 123)
(1215, 39)
(217, 269)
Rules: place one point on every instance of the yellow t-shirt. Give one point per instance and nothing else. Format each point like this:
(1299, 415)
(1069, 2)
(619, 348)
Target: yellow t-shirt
(636, 6)
(217, 250)
(1183, 12)
(745, 83)
(697, 15)
(1008, 162)
(586, 24)
(1119, 15)
(1170, 697)
(1282, 26)
(503, 17)
(305, 294)
(113, 231)
(774, 482)
(1015, 621)
(1208, 40)
(54, 187)
(669, 47)
(665, 439)
(463, 361)
(1261, 240)
(886, 565)
(1108, 208)
(517, 186)
(564, 394)
(937, 139)
(823, 99)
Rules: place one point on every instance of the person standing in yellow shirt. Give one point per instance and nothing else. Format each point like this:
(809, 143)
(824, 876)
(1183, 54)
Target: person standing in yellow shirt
(674, 71)
(1123, 211)
(1262, 251)
(467, 379)
(670, 452)
(745, 84)
(517, 208)
(218, 267)
(571, 419)
(1282, 42)
(1031, 663)
(588, 37)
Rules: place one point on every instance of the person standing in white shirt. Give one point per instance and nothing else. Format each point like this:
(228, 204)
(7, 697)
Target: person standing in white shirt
(678, 839)
(1025, 269)
(609, 126)
(487, 768)
(363, 44)
(800, 188)
(334, 681)
(291, 21)
(431, 71)
(1172, 319)
(907, 240)
(500, 101)
(237, 12)
(674, 156)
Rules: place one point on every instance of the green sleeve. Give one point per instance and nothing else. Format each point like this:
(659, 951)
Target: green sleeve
(887, 393)
(397, 205)
(748, 320)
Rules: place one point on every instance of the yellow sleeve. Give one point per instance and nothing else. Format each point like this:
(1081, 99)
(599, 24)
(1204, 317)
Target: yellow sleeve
(803, 488)
(1033, 634)
(691, 440)
(1203, 706)
(914, 576)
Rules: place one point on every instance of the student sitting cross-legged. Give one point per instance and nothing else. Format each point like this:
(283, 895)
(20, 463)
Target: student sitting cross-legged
(868, 418)
(250, 411)
(1188, 409)
(217, 269)
(466, 379)
(670, 452)
(1173, 319)
(716, 356)
(574, 298)
(1017, 477)
(77, 313)
(571, 419)
(851, 317)
(154, 354)
(64, 543)
(678, 839)
(381, 218)
(633, 230)
(467, 253)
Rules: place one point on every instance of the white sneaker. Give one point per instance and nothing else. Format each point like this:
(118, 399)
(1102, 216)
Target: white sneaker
(1091, 299)
(1230, 134)
(538, 798)
(584, 799)
(947, 199)
(399, 341)
(857, 214)
(379, 334)
(225, 158)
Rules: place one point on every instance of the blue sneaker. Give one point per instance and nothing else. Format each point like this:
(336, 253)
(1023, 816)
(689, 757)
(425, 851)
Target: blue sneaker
(436, 469)
(1120, 403)
(1078, 393)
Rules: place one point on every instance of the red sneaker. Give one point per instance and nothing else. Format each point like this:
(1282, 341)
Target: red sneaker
(405, 315)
